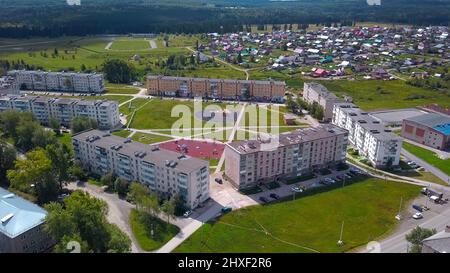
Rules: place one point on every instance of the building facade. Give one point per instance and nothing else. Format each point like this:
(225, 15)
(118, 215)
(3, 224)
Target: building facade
(216, 88)
(58, 81)
(106, 113)
(164, 172)
(430, 129)
(315, 92)
(21, 227)
(8, 85)
(249, 163)
(368, 135)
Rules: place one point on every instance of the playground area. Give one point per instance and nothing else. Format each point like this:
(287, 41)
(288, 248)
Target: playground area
(195, 148)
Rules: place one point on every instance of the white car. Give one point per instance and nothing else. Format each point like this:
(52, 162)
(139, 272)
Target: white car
(187, 214)
(296, 189)
(418, 216)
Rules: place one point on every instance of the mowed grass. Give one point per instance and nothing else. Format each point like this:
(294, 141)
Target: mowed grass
(149, 138)
(121, 89)
(429, 157)
(142, 225)
(122, 133)
(308, 224)
(131, 44)
(374, 95)
(135, 104)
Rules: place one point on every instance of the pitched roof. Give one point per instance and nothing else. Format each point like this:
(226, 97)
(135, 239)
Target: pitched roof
(18, 215)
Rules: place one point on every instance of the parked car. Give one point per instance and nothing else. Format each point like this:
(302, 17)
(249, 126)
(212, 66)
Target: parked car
(274, 196)
(418, 216)
(226, 209)
(218, 180)
(187, 214)
(296, 189)
(263, 199)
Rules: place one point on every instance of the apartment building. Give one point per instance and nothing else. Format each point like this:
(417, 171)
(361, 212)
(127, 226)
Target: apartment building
(58, 81)
(8, 85)
(315, 92)
(106, 113)
(368, 135)
(21, 227)
(165, 172)
(249, 163)
(216, 88)
(429, 129)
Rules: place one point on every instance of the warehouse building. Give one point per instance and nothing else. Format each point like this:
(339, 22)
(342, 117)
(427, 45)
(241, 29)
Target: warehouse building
(429, 129)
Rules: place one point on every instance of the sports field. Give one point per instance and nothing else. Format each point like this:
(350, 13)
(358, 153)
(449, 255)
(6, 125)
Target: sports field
(130, 45)
(308, 224)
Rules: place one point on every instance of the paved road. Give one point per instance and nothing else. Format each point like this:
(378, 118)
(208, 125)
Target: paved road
(427, 166)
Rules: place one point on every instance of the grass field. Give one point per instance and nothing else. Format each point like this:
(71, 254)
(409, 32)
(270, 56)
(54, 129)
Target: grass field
(309, 223)
(142, 224)
(131, 45)
(429, 157)
(374, 95)
(122, 133)
(121, 89)
(149, 138)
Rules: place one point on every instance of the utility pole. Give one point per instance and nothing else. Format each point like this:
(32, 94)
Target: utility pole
(398, 216)
(340, 242)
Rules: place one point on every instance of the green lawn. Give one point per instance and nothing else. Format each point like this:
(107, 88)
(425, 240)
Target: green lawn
(130, 44)
(373, 95)
(149, 138)
(429, 157)
(121, 89)
(142, 224)
(122, 133)
(308, 223)
(128, 108)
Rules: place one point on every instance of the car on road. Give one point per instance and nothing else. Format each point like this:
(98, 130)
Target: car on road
(274, 196)
(226, 209)
(296, 189)
(218, 180)
(263, 199)
(187, 214)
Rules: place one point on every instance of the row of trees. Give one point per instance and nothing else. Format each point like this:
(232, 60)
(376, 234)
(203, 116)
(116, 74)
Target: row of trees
(296, 107)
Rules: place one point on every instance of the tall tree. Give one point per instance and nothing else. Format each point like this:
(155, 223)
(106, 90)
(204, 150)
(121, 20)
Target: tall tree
(60, 156)
(7, 158)
(168, 208)
(416, 237)
(119, 71)
(80, 124)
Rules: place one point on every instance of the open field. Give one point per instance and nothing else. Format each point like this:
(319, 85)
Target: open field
(308, 224)
(130, 45)
(142, 225)
(429, 157)
(121, 89)
(375, 95)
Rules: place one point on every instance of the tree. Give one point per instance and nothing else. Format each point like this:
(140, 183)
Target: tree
(168, 208)
(416, 237)
(64, 245)
(55, 125)
(108, 180)
(60, 156)
(10, 120)
(137, 193)
(83, 219)
(119, 71)
(83, 67)
(239, 58)
(7, 158)
(80, 124)
(121, 186)
(34, 175)
(76, 171)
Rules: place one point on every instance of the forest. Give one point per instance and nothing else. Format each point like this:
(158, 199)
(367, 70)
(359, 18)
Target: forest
(54, 18)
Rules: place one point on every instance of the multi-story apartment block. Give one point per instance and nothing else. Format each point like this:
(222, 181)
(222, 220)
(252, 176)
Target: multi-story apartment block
(430, 129)
(165, 172)
(21, 225)
(315, 92)
(249, 163)
(106, 113)
(8, 85)
(368, 135)
(216, 88)
(58, 81)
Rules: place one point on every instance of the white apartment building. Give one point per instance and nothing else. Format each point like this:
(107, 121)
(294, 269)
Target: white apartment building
(165, 172)
(106, 113)
(315, 92)
(368, 135)
(8, 85)
(58, 81)
(249, 163)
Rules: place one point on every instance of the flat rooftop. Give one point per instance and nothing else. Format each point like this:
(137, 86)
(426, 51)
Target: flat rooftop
(438, 122)
(153, 153)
